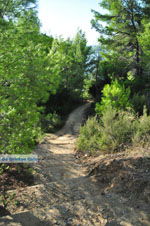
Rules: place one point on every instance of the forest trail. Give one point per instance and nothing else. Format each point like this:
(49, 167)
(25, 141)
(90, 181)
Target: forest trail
(64, 195)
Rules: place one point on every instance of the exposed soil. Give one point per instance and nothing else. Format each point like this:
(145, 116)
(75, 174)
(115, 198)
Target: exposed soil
(107, 190)
(123, 174)
(15, 178)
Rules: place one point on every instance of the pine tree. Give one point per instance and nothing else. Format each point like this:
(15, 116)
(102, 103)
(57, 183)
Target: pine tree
(122, 24)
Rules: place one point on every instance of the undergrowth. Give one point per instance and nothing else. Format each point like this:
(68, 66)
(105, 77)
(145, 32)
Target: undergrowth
(114, 131)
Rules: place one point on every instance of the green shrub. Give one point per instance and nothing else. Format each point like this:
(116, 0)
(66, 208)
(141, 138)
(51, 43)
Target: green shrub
(19, 129)
(116, 96)
(51, 122)
(113, 131)
(88, 141)
(117, 129)
(142, 132)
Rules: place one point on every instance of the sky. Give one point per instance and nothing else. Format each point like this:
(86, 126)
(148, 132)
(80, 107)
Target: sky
(65, 17)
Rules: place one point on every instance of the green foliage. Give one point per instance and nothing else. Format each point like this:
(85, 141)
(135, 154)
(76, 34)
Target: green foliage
(114, 131)
(86, 86)
(142, 133)
(51, 122)
(72, 57)
(33, 67)
(111, 133)
(124, 40)
(117, 130)
(88, 140)
(12, 9)
(114, 95)
(123, 22)
(144, 39)
(28, 75)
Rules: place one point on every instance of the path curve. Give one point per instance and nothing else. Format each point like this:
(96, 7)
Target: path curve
(64, 194)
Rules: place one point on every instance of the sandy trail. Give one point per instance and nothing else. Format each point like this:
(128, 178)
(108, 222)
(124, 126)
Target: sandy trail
(64, 194)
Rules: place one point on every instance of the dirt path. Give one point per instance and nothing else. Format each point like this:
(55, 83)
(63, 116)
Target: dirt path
(64, 194)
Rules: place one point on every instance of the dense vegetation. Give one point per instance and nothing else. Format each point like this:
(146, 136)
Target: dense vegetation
(42, 78)
(39, 74)
(123, 79)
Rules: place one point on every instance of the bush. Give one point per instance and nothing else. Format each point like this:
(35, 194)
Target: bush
(19, 129)
(51, 122)
(88, 141)
(116, 96)
(142, 132)
(115, 131)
